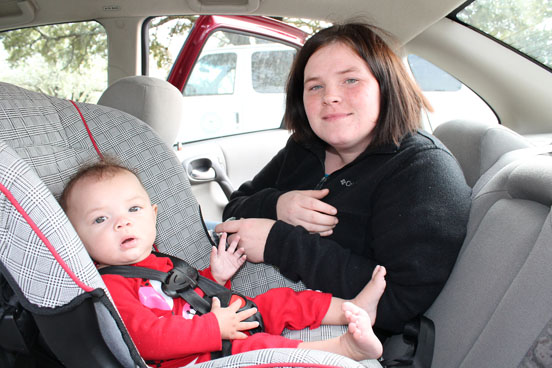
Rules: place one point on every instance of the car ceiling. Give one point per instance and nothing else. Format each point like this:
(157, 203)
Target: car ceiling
(402, 18)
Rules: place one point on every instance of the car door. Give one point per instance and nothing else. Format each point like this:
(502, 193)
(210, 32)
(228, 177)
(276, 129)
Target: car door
(231, 71)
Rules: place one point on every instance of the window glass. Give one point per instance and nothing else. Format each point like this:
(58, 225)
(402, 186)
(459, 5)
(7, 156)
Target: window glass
(213, 75)
(166, 36)
(449, 97)
(270, 70)
(526, 25)
(64, 60)
(236, 86)
(431, 77)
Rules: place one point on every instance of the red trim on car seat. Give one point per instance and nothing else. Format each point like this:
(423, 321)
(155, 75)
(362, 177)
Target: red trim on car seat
(42, 237)
(88, 130)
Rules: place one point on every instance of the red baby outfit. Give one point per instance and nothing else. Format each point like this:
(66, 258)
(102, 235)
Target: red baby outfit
(168, 334)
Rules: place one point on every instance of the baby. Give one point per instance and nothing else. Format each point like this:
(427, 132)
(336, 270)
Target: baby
(113, 215)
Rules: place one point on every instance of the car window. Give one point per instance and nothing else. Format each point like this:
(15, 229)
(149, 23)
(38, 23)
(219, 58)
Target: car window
(64, 60)
(430, 77)
(525, 25)
(213, 75)
(236, 86)
(165, 38)
(449, 97)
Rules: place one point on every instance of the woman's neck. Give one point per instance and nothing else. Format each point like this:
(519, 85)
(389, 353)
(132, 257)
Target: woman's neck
(335, 160)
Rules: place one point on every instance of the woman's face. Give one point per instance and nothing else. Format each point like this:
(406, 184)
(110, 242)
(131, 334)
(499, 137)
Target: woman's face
(341, 98)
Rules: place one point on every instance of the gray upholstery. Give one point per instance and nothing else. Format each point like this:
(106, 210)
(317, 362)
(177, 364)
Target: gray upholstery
(46, 136)
(154, 101)
(477, 145)
(28, 253)
(498, 297)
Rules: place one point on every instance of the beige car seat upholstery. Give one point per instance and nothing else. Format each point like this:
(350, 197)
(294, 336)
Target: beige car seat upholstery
(154, 101)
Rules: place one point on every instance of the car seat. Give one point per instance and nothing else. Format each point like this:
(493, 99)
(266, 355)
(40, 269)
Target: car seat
(496, 306)
(498, 298)
(478, 145)
(154, 101)
(44, 142)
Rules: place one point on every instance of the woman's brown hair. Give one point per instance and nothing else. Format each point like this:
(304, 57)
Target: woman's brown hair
(401, 100)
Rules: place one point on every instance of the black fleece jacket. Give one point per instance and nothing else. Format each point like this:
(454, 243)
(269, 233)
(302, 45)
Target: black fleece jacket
(404, 207)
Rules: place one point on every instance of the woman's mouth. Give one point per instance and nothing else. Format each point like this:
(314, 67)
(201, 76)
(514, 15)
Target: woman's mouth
(335, 116)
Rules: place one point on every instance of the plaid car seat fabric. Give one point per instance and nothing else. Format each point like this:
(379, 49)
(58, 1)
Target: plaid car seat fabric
(42, 258)
(55, 137)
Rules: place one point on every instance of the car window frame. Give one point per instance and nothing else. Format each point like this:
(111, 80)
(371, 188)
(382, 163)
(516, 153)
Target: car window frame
(206, 25)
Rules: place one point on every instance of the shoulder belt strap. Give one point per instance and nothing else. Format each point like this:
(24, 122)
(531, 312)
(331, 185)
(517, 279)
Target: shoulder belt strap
(180, 281)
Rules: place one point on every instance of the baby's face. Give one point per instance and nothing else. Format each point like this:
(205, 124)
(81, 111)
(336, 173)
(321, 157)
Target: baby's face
(113, 217)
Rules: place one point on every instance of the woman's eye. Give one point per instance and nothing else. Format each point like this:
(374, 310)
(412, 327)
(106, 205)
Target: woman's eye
(313, 87)
(134, 209)
(100, 219)
(351, 81)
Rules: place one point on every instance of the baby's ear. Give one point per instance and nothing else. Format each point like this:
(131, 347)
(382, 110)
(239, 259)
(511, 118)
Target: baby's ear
(154, 206)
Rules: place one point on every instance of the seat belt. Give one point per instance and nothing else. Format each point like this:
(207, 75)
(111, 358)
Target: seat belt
(419, 336)
(181, 282)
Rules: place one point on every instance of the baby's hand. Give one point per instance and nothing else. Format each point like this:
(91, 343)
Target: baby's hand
(225, 262)
(230, 320)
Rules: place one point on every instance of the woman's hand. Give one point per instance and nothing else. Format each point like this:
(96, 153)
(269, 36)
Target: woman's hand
(305, 208)
(226, 262)
(252, 233)
(230, 320)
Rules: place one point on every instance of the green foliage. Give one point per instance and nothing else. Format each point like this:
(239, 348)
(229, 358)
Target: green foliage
(64, 60)
(65, 46)
(523, 24)
(177, 25)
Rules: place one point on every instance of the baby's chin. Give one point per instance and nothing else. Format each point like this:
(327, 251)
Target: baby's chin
(128, 260)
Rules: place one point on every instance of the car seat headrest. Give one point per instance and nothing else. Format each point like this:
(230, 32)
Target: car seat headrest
(154, 101)
(538, 170)
(477, 145)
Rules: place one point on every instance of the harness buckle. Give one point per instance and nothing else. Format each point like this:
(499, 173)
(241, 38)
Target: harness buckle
(178, 281)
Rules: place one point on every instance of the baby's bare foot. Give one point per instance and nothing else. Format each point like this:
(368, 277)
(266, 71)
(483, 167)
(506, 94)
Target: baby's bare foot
(359, 342)
(369, 297)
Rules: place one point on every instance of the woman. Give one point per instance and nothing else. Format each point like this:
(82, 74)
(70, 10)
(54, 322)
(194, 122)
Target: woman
(357, 184)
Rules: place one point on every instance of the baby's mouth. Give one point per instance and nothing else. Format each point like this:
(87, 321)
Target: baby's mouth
(128, 242)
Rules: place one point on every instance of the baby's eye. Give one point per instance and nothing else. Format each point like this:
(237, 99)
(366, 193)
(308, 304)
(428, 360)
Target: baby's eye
(100, 219)
(134, 209)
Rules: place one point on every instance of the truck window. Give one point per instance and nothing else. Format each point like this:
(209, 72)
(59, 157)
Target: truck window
(270, 70)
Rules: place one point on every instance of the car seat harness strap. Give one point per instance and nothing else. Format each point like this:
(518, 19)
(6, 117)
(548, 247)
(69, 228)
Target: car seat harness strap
(182, 281)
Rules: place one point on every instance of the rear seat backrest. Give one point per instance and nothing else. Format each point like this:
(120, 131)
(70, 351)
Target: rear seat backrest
(498, 297)
(477, 145)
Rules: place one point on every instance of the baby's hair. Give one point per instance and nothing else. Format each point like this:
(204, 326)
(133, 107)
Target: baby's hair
(106, 167)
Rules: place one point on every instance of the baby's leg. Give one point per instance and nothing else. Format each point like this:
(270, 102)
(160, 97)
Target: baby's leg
(358, 343)
(369, 297)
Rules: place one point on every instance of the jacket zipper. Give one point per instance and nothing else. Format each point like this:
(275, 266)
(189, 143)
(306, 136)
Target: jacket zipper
(321, 182)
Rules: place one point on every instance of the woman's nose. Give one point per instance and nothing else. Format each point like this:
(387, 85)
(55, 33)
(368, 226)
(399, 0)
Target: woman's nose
(331, 96)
